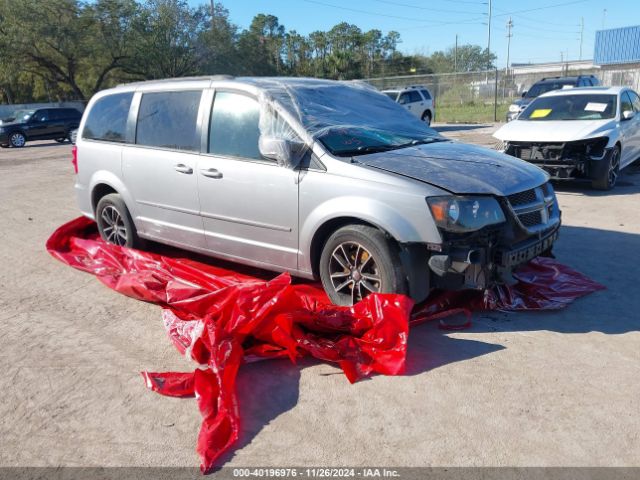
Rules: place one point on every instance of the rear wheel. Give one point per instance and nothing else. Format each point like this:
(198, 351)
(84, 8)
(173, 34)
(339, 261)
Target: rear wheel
(426, 117)
(606, 171)
(17, 139)
(114, 222)
(358, 260)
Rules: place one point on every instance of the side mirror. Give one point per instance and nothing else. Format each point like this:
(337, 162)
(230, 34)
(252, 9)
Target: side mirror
(286, 152)
(524, 93)
(628, 115)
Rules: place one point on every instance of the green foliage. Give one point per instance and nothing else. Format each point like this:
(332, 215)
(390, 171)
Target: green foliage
(69, 49)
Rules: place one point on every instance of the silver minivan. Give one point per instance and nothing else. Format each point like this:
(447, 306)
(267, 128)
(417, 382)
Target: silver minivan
(323, 179)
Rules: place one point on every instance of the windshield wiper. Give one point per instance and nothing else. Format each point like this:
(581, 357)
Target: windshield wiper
(365, 150)
(386, 148)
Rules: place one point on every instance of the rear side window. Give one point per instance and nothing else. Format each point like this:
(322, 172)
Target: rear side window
(107, 120)
(234, 129)
(426, 94)
(414, 96)
(168, 120)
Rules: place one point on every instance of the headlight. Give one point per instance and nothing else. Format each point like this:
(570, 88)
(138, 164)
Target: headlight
(514, 108)
(465, 214)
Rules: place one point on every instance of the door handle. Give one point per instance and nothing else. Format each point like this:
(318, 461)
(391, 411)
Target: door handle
(211, 173)
(182, 168)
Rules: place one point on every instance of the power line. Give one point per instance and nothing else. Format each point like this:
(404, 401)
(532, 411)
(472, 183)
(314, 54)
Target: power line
(376, 14)
(542, 8)
(406, 5)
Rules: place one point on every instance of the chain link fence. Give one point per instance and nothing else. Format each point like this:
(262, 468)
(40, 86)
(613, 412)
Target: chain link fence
(485, 96)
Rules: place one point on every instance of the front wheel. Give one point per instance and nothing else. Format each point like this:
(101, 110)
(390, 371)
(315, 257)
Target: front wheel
(114, 222)
(17, 139)
(358, 260)
(606, 171)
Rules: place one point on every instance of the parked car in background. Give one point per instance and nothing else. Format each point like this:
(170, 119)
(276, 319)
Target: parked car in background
(417, 99)
(584, 133)
(40, 124)
(319, 178)
(546, 85)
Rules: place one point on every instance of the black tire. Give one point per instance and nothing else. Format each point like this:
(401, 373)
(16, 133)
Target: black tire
(111, 210)
(378, 257)
(61, 140)
(426, 117)
(606, 171)
(17, 139)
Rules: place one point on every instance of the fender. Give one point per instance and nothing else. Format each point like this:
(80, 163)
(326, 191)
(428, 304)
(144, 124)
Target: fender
(375, 212)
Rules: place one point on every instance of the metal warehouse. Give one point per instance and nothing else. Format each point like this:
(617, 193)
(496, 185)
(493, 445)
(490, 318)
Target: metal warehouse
(617, 52)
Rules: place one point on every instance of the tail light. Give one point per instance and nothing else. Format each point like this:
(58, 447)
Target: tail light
(74, 158)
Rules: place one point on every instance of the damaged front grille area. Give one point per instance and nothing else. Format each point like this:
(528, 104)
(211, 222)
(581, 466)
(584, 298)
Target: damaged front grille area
(563, 160)
(534, 208)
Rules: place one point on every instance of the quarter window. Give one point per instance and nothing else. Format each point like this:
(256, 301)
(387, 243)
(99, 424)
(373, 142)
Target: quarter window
(625, 103)
(234, 130)
(169, 120)
(426, 94)
(635, 100)
(107, 120)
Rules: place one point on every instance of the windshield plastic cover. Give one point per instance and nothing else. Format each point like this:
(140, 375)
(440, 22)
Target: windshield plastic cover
(221, 317)
(352, 111)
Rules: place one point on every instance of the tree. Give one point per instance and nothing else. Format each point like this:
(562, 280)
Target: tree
(166, 39)
(71, 46)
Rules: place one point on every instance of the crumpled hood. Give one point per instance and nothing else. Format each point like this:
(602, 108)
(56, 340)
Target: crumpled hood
(553, 131)
(459, 168)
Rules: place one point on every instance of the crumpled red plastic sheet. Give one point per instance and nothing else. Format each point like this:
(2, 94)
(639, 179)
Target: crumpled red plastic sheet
(221, 318)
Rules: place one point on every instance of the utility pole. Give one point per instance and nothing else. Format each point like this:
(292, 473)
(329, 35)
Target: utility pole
(509, 35)
(506, 68)
(581, 36)
(489, 35)
(455, 56)
(213, 15)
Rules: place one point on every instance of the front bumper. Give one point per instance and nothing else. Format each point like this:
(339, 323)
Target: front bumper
(571, 166)
(482, 264)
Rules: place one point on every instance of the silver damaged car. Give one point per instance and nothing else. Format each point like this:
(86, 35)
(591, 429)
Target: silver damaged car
(323, 179)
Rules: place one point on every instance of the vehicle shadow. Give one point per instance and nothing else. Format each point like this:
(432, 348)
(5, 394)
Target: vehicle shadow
(628, 184)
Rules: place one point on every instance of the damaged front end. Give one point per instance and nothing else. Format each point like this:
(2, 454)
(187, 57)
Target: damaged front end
(562, 160)
(512, 230)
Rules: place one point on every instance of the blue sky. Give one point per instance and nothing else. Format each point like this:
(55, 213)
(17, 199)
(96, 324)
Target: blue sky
(542, 28)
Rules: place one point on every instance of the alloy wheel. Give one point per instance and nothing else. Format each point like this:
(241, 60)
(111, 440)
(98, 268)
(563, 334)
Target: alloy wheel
(614, 167)
(354, 271)
(18, 140)
(113, 227)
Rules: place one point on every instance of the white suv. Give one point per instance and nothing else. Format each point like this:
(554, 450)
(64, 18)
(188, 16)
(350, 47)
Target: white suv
(417, 99)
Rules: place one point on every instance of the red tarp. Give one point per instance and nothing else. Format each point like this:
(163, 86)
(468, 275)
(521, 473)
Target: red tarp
(222, 317)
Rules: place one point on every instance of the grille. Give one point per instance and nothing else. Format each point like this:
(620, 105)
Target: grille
(523, 198)
(533, 207)
(531, 219)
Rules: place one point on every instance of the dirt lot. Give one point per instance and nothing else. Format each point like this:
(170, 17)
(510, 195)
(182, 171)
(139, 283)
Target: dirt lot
(548, 389)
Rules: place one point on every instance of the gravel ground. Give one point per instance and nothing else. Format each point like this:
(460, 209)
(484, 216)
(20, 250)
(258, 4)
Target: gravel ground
(527, 389)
